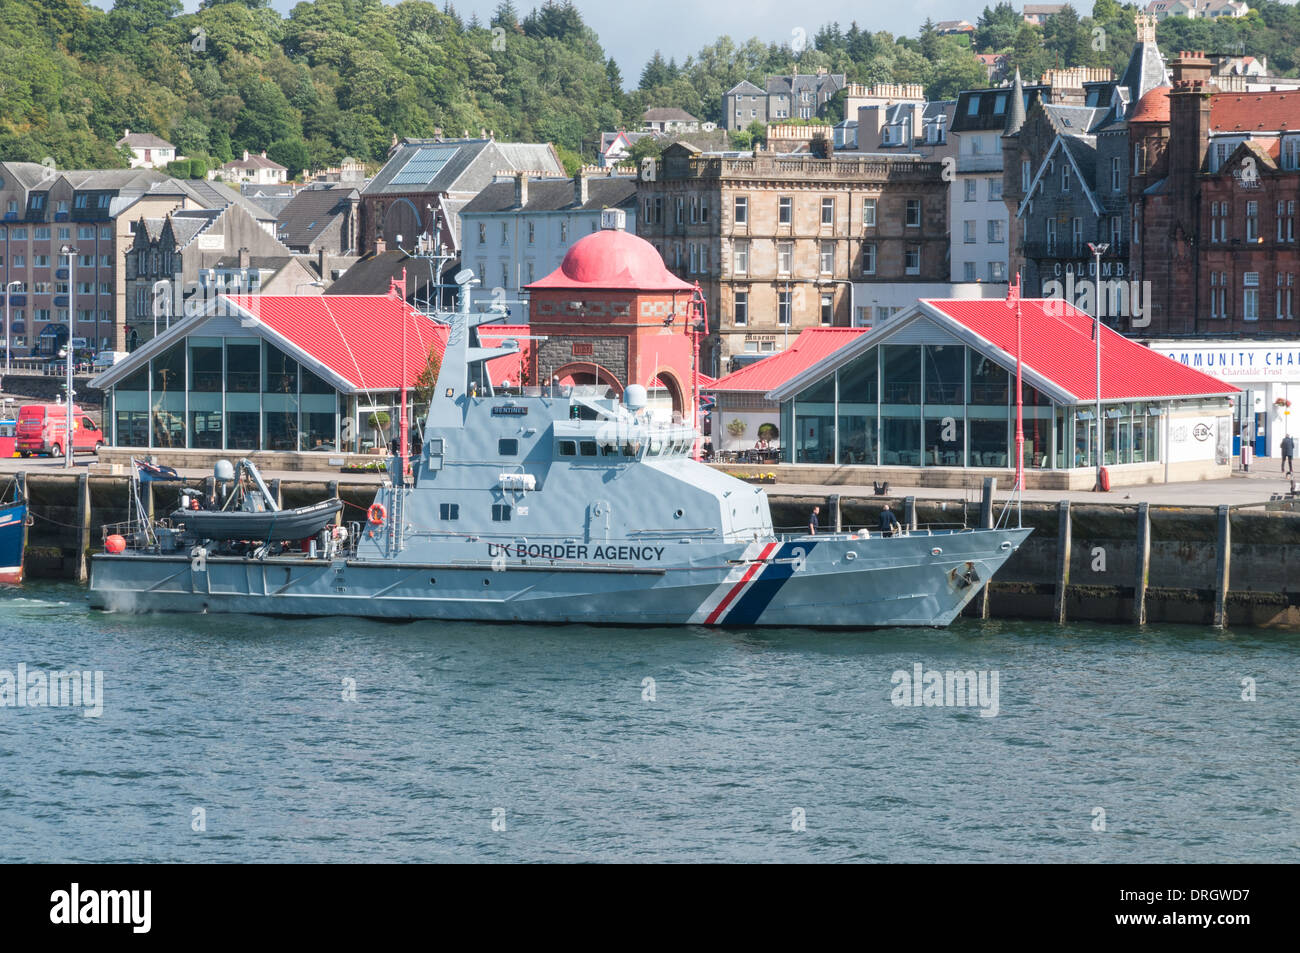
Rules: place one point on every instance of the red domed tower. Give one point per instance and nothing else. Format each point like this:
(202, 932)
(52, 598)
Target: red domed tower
(613, 314)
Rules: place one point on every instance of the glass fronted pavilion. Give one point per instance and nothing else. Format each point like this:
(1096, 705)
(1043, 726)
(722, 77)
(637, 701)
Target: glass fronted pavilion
(935, 386)
(224, 381)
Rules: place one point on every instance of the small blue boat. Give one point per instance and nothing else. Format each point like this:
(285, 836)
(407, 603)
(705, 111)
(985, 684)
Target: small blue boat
(13, 520)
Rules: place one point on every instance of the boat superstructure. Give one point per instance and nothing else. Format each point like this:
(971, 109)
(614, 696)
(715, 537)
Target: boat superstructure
(549, 504)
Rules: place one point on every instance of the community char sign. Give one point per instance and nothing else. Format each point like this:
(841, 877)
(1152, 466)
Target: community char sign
(1276, 361)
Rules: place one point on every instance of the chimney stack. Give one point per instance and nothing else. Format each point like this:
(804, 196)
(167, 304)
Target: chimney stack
(1191, 67)
(521, 189)
(245, 155)
(322, 264)
(580, 187)
(243, 258)
(381, 246)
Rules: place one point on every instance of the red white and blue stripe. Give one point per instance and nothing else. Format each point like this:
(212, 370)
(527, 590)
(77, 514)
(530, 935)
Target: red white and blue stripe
(752, 584)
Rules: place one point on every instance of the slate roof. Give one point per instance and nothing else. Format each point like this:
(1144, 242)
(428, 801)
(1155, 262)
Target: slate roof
(309, 213)
(987, 117)
(144, 140)
(437, 165)
(553, 195)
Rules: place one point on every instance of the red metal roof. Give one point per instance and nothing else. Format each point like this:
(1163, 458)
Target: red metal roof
(359, 337)
(1057, 343)
(808, 348)
(614, 260)
(1254, 112)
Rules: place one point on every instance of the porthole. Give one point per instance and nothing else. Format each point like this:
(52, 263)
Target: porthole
(487, 582)
(433, 581)
(678, 514)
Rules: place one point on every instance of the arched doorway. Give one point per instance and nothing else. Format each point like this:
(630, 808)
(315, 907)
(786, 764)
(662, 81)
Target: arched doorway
(671, 396)
(585, 374)
(402, 218)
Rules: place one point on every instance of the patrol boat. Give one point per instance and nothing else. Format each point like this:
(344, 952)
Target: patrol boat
(560, 505)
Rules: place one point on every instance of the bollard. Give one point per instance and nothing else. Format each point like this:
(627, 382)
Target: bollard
(1222, 563)
(275, 493)
(83, 526)
(909, 513)
(986, 502)
(1143, 570)
(1064, 532)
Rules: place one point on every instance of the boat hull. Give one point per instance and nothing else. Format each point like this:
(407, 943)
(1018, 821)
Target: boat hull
(276, 526)
(918, 580)
(12, 519)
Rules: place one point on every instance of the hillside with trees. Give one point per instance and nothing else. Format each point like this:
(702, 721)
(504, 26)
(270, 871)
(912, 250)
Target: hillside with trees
(340, 78)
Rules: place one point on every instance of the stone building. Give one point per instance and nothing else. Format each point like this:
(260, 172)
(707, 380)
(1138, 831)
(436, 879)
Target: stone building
(612, 314)
(1215, 192)
(1065, 174)
(783, 242)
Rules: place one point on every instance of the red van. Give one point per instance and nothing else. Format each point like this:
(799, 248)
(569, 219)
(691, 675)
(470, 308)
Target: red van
(42, 428)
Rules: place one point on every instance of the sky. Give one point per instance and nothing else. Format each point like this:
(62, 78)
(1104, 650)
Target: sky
(631, 30)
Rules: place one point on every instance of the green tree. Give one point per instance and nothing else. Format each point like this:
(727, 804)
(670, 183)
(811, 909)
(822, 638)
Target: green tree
(293, 154)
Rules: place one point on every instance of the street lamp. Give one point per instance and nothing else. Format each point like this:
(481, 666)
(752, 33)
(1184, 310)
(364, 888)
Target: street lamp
(853, 311)
(71, 254)
(1098, 249)
(8, 336)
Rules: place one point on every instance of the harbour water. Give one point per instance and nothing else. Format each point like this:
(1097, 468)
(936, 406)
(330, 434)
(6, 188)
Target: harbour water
(563, 743)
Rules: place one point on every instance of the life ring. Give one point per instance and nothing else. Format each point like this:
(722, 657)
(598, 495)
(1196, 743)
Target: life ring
(376, 514)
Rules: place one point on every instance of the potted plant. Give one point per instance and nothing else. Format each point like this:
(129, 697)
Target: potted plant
(769, 432)
(737, 428)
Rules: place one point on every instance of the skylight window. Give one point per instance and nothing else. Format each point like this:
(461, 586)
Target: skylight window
(424, 165)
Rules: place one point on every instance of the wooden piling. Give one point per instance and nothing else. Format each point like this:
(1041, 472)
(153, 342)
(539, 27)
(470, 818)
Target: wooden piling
(909, 513)
(1142, 571)
(275, 493)
(986, 502)
(83, 526)
(21, 483)
(149, 499)
(1222, 565)
(332, 489)
(836, 513)
(1064, 534)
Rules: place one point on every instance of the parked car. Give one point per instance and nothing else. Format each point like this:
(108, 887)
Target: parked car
(106, 359)
(43, 428)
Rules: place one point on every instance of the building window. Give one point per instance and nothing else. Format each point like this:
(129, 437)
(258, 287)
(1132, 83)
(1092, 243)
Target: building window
(995, 190)
(695, 258)
(742, 210)
(1252, 221)
(1286, 221)
(1076, 236)
(645, 212)
(681, 205)
(532, 232)
(505, 234)
(1051, 236)
(828, 309)
(995, 228)
(1024, 176)
(1116, 180)
(828, 212)
(971, 186)
(482, 233)
(783, 308)
(564, 231)
(968, 271)
(1139, 159)
(1065, 176)
(968, 232)
(1285, 285)
(784, 257)
(785, 210)
(1250, 296)
(869, 259)
(914, 213)
(740, 310)
(997, 271)
(868, 213)
(1137, 222)
(741, 258)
(912, 260)
(659, 209)
(828, 258)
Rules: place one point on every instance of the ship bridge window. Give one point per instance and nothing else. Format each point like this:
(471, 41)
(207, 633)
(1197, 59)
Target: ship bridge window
(588, 448)
(568, 448)
(631, 448)
(448, 511)
(656, 446)
(508, 447)
(609, 450)
(501, 512)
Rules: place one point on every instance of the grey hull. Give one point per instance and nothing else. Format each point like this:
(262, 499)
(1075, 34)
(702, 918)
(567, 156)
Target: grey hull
(920, 579)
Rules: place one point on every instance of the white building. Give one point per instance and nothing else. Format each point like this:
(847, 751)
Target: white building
(1266, 372)
(518, 229)
(977, 216)
(251, 169)
(147, 150)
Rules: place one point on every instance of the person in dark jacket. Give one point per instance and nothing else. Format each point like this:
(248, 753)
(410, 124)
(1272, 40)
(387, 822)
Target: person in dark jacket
(888, 522)
(1288, 454)
(813, 522)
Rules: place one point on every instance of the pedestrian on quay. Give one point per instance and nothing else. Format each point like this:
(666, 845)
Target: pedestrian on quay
(888, 522)
(813, 522)
(1288, 454)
